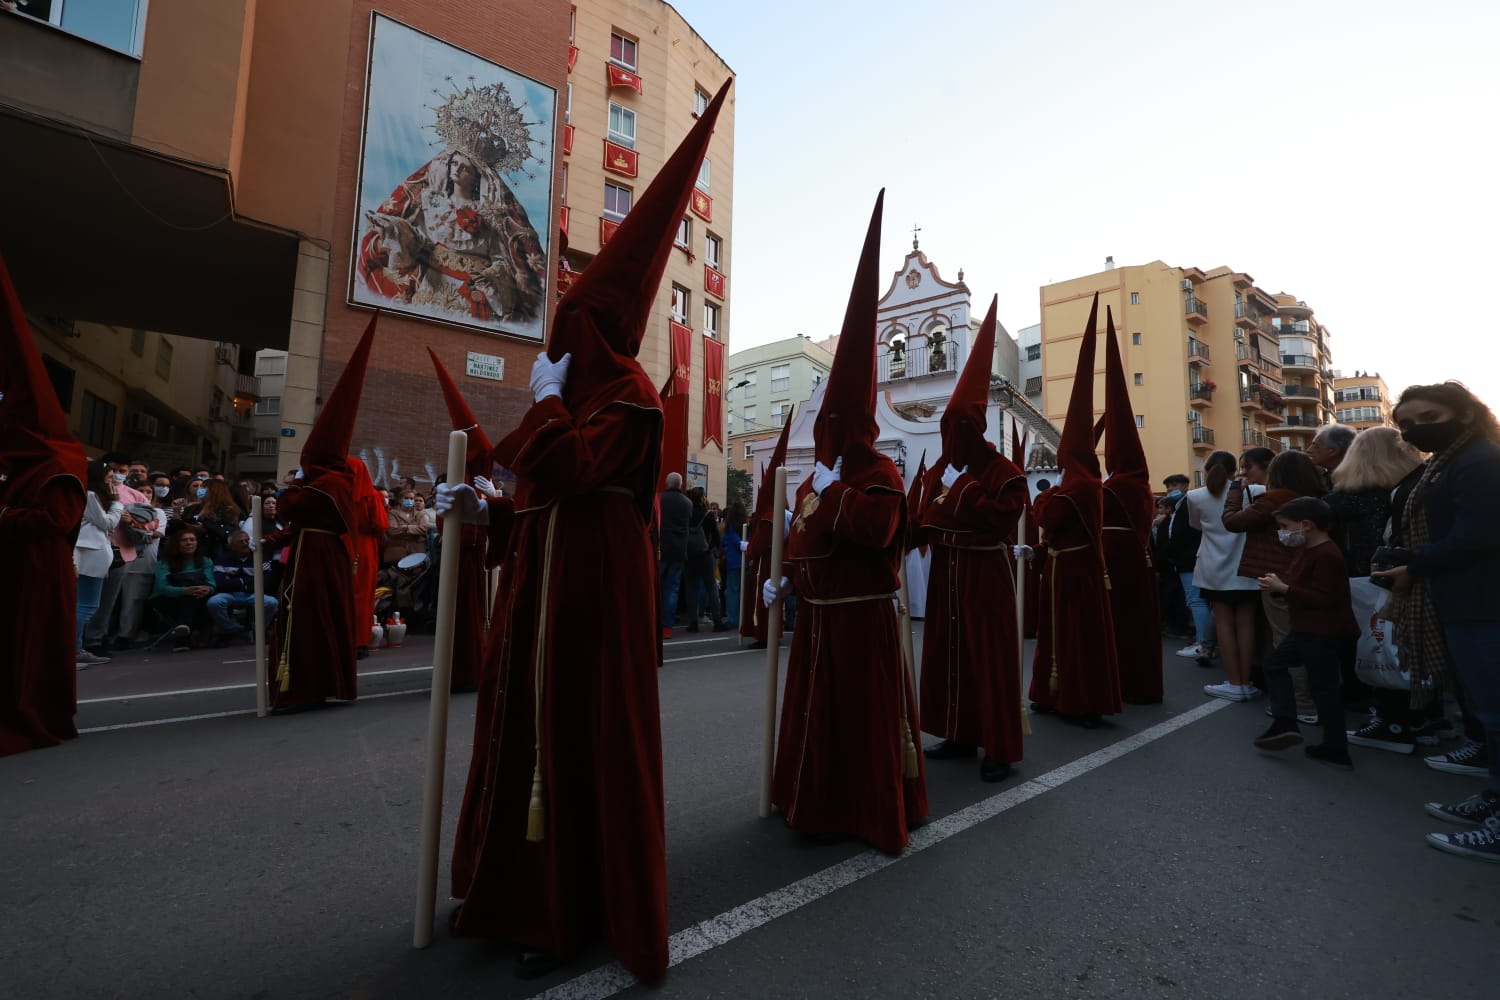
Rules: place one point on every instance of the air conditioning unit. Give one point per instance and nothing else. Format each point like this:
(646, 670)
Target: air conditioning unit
(142, 423)
(1187, 284)
(224, 355)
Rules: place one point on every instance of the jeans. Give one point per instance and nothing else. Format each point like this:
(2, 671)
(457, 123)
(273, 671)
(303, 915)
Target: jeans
(1320, 655)
(89, 588)
(702, 594)
(670, 572)
(109, 592)
(133, 595)
(732, 597)
(1474, 648)
(219, 606)
(1203, 616)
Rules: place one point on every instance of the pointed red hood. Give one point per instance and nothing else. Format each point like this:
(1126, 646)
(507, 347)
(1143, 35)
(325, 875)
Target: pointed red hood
(1075, 452)
(332, 433)
(764, 498)
(1123, 454)
(602, 318)
(964, 418)
(845, 427)
(1017, 447)
(477, 457)
(35, 442)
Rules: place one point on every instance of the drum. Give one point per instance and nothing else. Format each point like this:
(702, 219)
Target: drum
(413, 562)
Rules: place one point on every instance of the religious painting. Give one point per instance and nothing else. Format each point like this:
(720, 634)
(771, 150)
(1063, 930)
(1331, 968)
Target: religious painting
(455, 187)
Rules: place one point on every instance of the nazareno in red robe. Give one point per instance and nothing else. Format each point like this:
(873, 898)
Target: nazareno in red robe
(577, 618)
(849, 708)
(471, 612)
(753, 620)
(38, 600)
(971, 667)
(1134, 597)
(364, 543)
(1075, 641)
(314, 630)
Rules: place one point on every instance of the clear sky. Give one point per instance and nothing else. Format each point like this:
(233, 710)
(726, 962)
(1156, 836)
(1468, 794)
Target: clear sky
(1341, 150)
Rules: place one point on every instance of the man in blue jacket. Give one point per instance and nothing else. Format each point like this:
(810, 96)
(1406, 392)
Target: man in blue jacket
(234, 586)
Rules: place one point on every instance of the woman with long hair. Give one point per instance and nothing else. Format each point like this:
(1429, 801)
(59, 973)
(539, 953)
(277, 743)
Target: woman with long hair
(1448, 610)
(1376, 462)
(184, 583)
(92, 552)
(215, 512)
(1232, 598)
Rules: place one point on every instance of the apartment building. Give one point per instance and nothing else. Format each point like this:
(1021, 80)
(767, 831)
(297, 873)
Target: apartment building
(1362, 400)
(1029, 363)
(763, 386)
(1203, 354)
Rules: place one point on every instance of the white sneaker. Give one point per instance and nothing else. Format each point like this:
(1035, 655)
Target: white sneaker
(1192, 652)
(1227, 691)
(87, 659)
(1250, 691)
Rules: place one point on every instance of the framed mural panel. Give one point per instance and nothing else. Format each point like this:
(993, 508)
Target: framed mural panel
(453, 223)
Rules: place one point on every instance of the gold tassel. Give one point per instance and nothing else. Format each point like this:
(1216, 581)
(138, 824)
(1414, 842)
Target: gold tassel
(1107, 584)
(909, 752)
(1052, 681)
(536, 816)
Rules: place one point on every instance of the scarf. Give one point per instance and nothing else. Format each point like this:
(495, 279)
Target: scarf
(1419, 633)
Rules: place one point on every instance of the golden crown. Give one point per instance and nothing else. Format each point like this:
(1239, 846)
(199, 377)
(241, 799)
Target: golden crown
(485, 123)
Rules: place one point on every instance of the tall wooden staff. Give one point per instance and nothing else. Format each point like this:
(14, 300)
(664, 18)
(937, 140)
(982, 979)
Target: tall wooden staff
(437, 708)
(1021, 615)
(773, 641)
(260, 609)
(909, 762)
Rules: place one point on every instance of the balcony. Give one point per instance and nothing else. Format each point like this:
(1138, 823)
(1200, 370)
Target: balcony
(1245, 316)
(1306, 391)
(1195, 310)
(246, 388)
(935, 359)
(1197, 352)
(1300, 361)
(1201, 394)
(1259, 397)
(1203, 437)
(1300, 422)
(1357, 395)
(1255, 439)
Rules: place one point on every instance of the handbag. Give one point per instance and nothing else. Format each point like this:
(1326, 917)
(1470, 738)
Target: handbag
(1377, 661)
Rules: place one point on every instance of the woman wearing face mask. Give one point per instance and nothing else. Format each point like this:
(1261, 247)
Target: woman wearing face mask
(1448, 612)
(405, 534)
(1233, 599)
(215, 513)
(92, 552)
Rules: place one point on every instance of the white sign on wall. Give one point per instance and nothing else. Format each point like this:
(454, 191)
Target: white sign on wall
(485, 366)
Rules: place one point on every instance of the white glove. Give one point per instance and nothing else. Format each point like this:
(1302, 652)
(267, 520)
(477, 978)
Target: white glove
(951, 474)
(769, 591)
(461, 499)
(1023, 552)
(744, 546)
(486, 487)
(547, 378)
(824, 477)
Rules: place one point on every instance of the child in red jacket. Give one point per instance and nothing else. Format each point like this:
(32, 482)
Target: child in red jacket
(1316, 586)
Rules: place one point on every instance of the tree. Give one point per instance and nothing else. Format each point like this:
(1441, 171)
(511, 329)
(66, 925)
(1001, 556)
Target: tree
(739, 487)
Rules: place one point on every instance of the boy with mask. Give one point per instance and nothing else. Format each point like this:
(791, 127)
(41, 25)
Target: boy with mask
(1322, 619)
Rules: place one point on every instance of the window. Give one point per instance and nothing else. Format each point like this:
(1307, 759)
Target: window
(711, 320)
(265, 447)
(61, 377)
(749, 451)
(621, 125)
(563, 192)
(622, 50)
(700, 101)
(115, 24)
(729, 390)
(274, 364)
(268, 405)
(568, 105)
(216, 404)
(138, 343)
(1135, 339)
(818, 376)
(1140, 379)
(164, 358)
(704, 173)
(616, 201)
(713, 251)
(729, 423)
(781, 378)
(749, 381)
(1033, 352)
(750, 418)
(1033, 385)
(778, 413)
(572, 23)
(685, 234)
(1135, 298)
(96, 427)
(1140, 421)
(679, 303)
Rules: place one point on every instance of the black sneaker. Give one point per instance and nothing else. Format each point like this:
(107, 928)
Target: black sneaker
(1471, 758)
(1282, 734)
(1382, 735)
(1482, 844)
(1332, 756)
(1472, 811)
(1435, 731)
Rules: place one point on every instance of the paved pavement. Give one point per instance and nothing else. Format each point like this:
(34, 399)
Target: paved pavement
(1158, 856)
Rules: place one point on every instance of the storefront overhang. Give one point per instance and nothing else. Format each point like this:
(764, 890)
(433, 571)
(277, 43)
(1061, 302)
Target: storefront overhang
(109, 233)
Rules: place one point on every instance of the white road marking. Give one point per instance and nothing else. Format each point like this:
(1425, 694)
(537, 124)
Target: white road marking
(691, 942)
(231, 687)
(238, 711)
(709, 656)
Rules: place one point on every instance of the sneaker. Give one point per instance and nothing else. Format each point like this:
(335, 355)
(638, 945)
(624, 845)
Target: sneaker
(1192, 652)
(1435, 731)
(87, 659)
(1227, 691)
(1332, 756)
(1282, 734)
(1310, 718)
(1250, 691)
(1382, 735)
(1472, 811)
(1482, 844)
(1471, 758)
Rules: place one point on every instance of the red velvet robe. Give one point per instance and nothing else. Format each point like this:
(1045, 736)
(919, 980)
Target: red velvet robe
(1075, 640)
(1134, 597)
(473, 587)
(1033, 584)
(839, 756)
(753, 618)
(38, 601)
(971, 668)
(364, 552)
(578, 614)
(314, 630)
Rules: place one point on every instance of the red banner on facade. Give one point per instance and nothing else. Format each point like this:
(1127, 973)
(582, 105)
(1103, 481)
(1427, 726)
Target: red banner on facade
(713, 281)
(567, 138)
(713, 391)
(681, 357)
(703, 206)
(565, 281)
(562, 219)
(606, 230)
(619, 160)
(621, 77)
(572, 57)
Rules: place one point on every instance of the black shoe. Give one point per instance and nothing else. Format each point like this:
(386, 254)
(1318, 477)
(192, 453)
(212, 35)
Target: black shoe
(222, 639)
(1138, 700)
(361, 652)
(1332, 756)
(453, 919)
(1283, 733)
(758, 644)
(1384, 735)
(1087, 721)
(533, 964)
(693, 627)
(1041, 709)
(993, 770)
(721, 627)
(949, 750)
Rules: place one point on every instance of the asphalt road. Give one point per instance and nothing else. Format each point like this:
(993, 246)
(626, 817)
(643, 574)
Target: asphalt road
(1158, 856)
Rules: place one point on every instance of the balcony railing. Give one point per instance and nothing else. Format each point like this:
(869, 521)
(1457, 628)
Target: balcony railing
(1255, 439)
(1300, 421)
(1245, 315)
(1194, 306)
(246, 388)
(1201, 392)
(1299, 361)
(1203, 435)
(1357, 395)
(1308, 391)
(934, 359)
(1263, 398)
(1197, 349)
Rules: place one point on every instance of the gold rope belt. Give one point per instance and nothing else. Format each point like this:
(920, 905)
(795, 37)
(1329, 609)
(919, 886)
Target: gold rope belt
(284, 662)
(1054, 553)
(825, 601)
(1116, 527)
